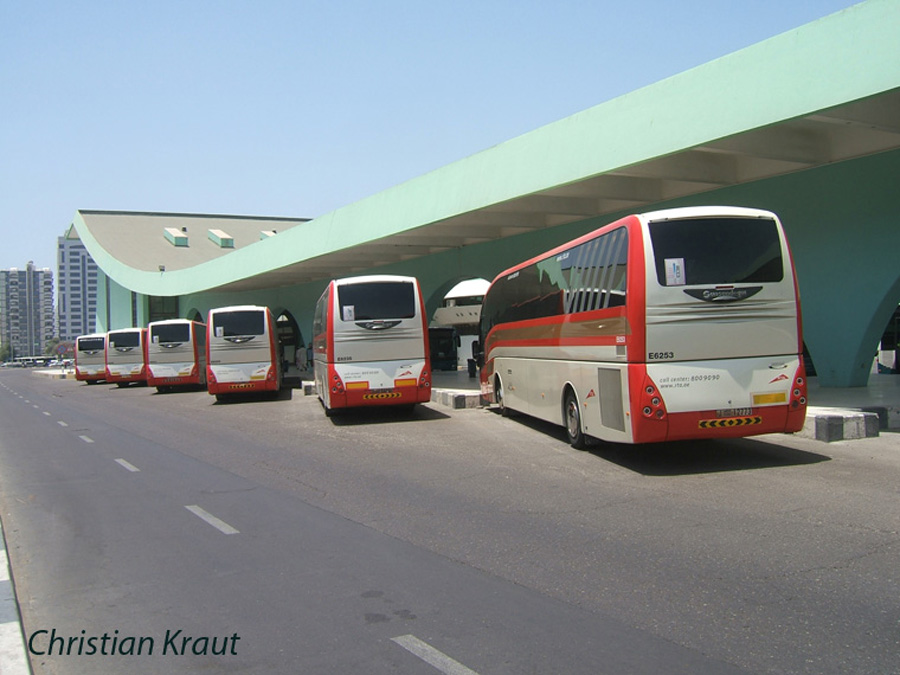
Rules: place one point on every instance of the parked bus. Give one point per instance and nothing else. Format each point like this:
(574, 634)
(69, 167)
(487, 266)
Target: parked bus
(677, 324)
(90, 358)
(242, 353)
(371, 343)
(126, 356)
(176, 354)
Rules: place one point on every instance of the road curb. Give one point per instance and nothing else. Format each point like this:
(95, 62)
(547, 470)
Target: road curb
(13, 657)
(835, 424)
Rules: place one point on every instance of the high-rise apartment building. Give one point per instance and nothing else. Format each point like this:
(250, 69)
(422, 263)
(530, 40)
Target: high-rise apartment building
(77, 295)
(26, 310)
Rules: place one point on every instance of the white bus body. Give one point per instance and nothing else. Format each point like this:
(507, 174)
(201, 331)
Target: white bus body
(90, 358)
(243, 354)
(176, 353)
(371, 343)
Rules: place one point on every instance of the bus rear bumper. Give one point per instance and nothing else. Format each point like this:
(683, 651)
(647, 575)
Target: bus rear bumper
(709, 423)
(367, 398)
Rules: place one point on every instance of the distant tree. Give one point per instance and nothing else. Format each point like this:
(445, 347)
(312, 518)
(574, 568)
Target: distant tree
(5, 352)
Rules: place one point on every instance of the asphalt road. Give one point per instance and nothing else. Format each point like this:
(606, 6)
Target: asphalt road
(442, 541)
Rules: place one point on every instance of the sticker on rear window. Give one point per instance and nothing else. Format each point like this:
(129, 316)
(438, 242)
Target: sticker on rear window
(675, 272)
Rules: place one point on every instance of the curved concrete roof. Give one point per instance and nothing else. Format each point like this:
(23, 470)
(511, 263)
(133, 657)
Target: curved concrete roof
(822, 93)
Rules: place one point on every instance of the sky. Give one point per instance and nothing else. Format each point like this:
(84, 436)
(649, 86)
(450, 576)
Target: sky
(296, 108)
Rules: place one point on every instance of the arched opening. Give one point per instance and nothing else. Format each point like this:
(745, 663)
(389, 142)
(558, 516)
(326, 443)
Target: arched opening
(195, 315)
(296, 362)
(887, 358)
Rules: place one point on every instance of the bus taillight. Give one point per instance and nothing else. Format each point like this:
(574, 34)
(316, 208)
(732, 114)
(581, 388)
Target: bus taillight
(337, 385)
(798, 393)
(652, 404)
(425, 379)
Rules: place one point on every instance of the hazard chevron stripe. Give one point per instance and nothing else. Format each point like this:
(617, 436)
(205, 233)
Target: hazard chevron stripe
(728, 422)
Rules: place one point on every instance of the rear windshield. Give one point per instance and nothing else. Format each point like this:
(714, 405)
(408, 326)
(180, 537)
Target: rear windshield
(239, 323)
(716, 251)
(131, 339)
(91, 344)
(377, 300)
(170, 332)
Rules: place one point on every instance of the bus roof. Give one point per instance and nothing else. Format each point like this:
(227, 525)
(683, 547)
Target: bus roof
(171, 321)
(704, 212)
(238, 308)
(373, 277)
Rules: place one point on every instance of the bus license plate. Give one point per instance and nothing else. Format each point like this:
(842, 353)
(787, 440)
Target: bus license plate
(734, 412)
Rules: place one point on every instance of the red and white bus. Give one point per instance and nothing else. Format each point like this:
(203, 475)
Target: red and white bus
(370, 344)
(90, 358)
(243, 354)
(126, 356)
(176, 354)
(677, 324)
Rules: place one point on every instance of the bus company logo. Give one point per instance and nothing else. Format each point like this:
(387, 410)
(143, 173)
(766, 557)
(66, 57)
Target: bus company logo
(780, 378)
(405, 373)
(591, 394)
(383, 395)
(723, 294)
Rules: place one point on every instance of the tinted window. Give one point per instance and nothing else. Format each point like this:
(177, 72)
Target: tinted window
(132, 339)
(91, 344)
(239, 323)
(377, 300)
(170, 332)
(716, 251)
(583, 278)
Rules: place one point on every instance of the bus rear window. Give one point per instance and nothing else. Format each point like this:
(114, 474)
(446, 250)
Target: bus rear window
(130, 339)
(239, 323)
(377, 300)
(170, 332)
(716, 251)
(91, 344)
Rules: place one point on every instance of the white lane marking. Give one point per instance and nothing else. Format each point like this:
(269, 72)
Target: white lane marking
(86, 439)
(46, 413)
(128, 465)
(220, 525)
(62, 424)
(432, 656)
(35, 406)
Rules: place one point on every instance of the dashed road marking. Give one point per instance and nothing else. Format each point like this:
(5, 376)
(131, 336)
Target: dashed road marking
(432, 656)
(220, 525)
(128, 465)
(86, 439)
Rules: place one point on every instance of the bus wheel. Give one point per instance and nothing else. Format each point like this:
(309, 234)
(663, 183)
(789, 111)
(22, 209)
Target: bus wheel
(572, 421)
(498, 397)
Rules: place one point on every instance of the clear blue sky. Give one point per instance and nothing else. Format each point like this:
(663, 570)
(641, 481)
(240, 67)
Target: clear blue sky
(297, 108)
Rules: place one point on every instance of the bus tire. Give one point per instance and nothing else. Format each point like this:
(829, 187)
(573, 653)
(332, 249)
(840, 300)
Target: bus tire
(572, 421)
(498, 397)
